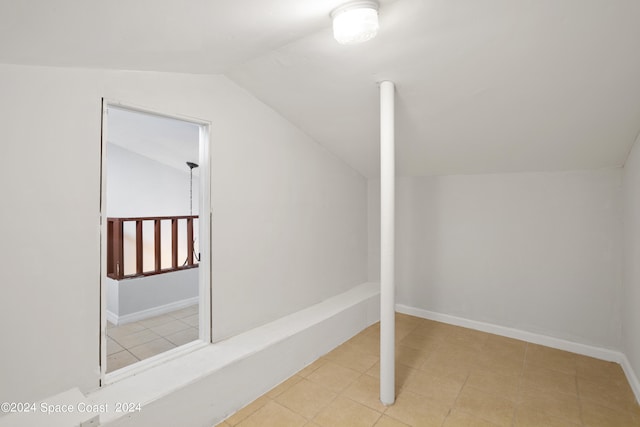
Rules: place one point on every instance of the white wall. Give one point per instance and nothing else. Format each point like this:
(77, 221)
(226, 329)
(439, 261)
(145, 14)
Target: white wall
(631, 264)
(538, 252)
(141, 297)
(140, 186)
(289, 219)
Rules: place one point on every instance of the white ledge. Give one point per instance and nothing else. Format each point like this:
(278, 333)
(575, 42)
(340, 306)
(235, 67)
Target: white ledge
(159, 381)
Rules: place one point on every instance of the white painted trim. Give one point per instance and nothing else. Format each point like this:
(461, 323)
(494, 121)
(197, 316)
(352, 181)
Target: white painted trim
(151, 312)
(102, 233)
(112, 317)
(204, 227)
(574, 347)
(631, 377)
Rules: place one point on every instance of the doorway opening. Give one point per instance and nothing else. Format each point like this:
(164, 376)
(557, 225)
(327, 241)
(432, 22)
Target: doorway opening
(155, 216)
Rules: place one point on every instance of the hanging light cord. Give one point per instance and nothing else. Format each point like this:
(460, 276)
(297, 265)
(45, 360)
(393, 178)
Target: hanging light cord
(195, 255)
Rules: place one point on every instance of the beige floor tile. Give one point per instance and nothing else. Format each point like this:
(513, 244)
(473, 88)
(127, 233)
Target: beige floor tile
(183, 337)
(306, 398)
(548, 380)
(273, 415)
(462, 419)
(120, 360)
(157, 320)
(561, 405)
(247, 411)
(284, 386)
(507, 386)
(193, 320)
(307, 370)
(369, 344)
(386, 421)
(474, 340)
(137, 338)
(185, 312)
(415, 410)
(403, 329)
(169, 328)
(600, 370)
(402, 374)
(344, 412)
(113, 347)
(441, 389)
(505, 347)
(373, 330)
(411, 357)
(528, 417)
(596, 415)
(122, 331)
(333, 376)
(151, 348)
(352, 357)
(366, 390)
(223, 424)
(551, 358)
(421, 341)
(610, 394)
(500, 363)
(454, 352)
(439, 365)
(491, 408)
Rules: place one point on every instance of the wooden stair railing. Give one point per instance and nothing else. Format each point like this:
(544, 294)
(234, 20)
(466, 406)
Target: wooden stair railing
(116, 241)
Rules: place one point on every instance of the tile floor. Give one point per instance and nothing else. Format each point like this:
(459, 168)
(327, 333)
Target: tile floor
(448, 376)
(132, 342)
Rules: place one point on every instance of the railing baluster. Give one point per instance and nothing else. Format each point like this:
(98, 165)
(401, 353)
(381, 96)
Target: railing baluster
(139, 247)
(158, 252)
(110, 264)
(190, 241)
(118, 248)
(174, 243)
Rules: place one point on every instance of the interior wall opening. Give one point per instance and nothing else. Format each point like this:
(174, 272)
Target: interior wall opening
(155, 219)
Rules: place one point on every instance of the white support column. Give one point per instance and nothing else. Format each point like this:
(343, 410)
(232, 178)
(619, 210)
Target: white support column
(387, 243)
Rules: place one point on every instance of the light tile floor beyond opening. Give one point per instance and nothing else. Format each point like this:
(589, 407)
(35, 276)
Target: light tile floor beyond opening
(448, 376)
(135, 341)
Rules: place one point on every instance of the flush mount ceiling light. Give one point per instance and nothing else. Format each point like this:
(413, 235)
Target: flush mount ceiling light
(355, 22)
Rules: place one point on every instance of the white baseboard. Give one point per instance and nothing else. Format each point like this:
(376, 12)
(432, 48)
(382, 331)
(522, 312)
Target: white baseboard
(574, 347)
(631, 376)
(112, 317)
(151, 312)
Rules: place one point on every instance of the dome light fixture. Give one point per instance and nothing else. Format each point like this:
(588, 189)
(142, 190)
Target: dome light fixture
(355, 22)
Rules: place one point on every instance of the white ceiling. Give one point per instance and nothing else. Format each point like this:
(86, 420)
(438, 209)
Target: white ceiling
(482, 85)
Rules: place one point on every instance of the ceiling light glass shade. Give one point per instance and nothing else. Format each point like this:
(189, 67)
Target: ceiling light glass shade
(355, 22)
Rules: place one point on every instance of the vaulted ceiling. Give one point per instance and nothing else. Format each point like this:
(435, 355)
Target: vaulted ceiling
(482, 85)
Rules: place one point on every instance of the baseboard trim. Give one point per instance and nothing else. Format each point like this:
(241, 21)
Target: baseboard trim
(112, 317)
(574, 347)
(631, 376)
(151, 312)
